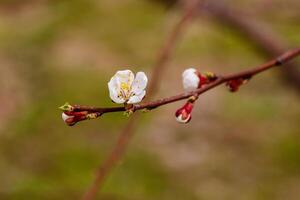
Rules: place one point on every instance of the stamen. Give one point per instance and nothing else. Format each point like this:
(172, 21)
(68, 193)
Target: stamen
(126, 90)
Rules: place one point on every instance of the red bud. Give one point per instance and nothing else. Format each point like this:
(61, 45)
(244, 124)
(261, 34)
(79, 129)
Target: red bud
(184, 114)
(71, 117)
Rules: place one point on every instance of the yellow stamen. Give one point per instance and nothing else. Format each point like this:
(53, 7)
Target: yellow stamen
(125, 86)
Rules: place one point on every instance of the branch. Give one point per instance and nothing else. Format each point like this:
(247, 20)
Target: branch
(165, 54)
(256, 32)
(127, 133)
(247, 74)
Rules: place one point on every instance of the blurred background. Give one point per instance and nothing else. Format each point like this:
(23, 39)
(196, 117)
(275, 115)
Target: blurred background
(238, 146)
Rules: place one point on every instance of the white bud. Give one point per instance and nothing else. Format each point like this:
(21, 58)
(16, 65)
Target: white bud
(190, 79)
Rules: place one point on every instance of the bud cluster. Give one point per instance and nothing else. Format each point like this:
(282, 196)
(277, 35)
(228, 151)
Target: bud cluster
(192, 79)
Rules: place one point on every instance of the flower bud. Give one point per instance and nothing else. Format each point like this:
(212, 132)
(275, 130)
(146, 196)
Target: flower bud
(71, 118)
(184, 114)
(190, 79)
(234, 85)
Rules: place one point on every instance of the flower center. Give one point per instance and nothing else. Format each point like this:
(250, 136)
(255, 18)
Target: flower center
(125, 90)
(125, 87)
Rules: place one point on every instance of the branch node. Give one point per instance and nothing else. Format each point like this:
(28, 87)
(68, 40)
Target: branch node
(128, 113)
(193, 98)
(93, 115)
(279, 61)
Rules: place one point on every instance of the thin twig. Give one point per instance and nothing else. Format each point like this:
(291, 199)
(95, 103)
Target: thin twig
(127, 133)
(164, 55)
(112, 159)
(259, 34)
(280, 60)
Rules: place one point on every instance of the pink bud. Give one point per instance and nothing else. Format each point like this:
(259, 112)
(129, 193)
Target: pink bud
(184, 114)
(71, 117)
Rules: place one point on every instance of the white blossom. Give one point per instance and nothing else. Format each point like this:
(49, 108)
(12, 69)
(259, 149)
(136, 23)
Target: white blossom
(190, 79)
(125, 88)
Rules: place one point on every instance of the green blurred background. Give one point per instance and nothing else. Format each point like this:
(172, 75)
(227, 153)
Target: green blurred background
(237, 146)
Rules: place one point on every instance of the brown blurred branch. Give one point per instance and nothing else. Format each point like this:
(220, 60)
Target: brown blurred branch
(127, 133)
(260, 34)
(246, 74)
(164, 55)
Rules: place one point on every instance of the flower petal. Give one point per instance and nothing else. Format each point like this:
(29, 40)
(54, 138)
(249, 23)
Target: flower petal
(125, 76)
(190, 79)
(114, 90)
(137, 98)
(65, 117)
(139, 84)
(183, 119)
